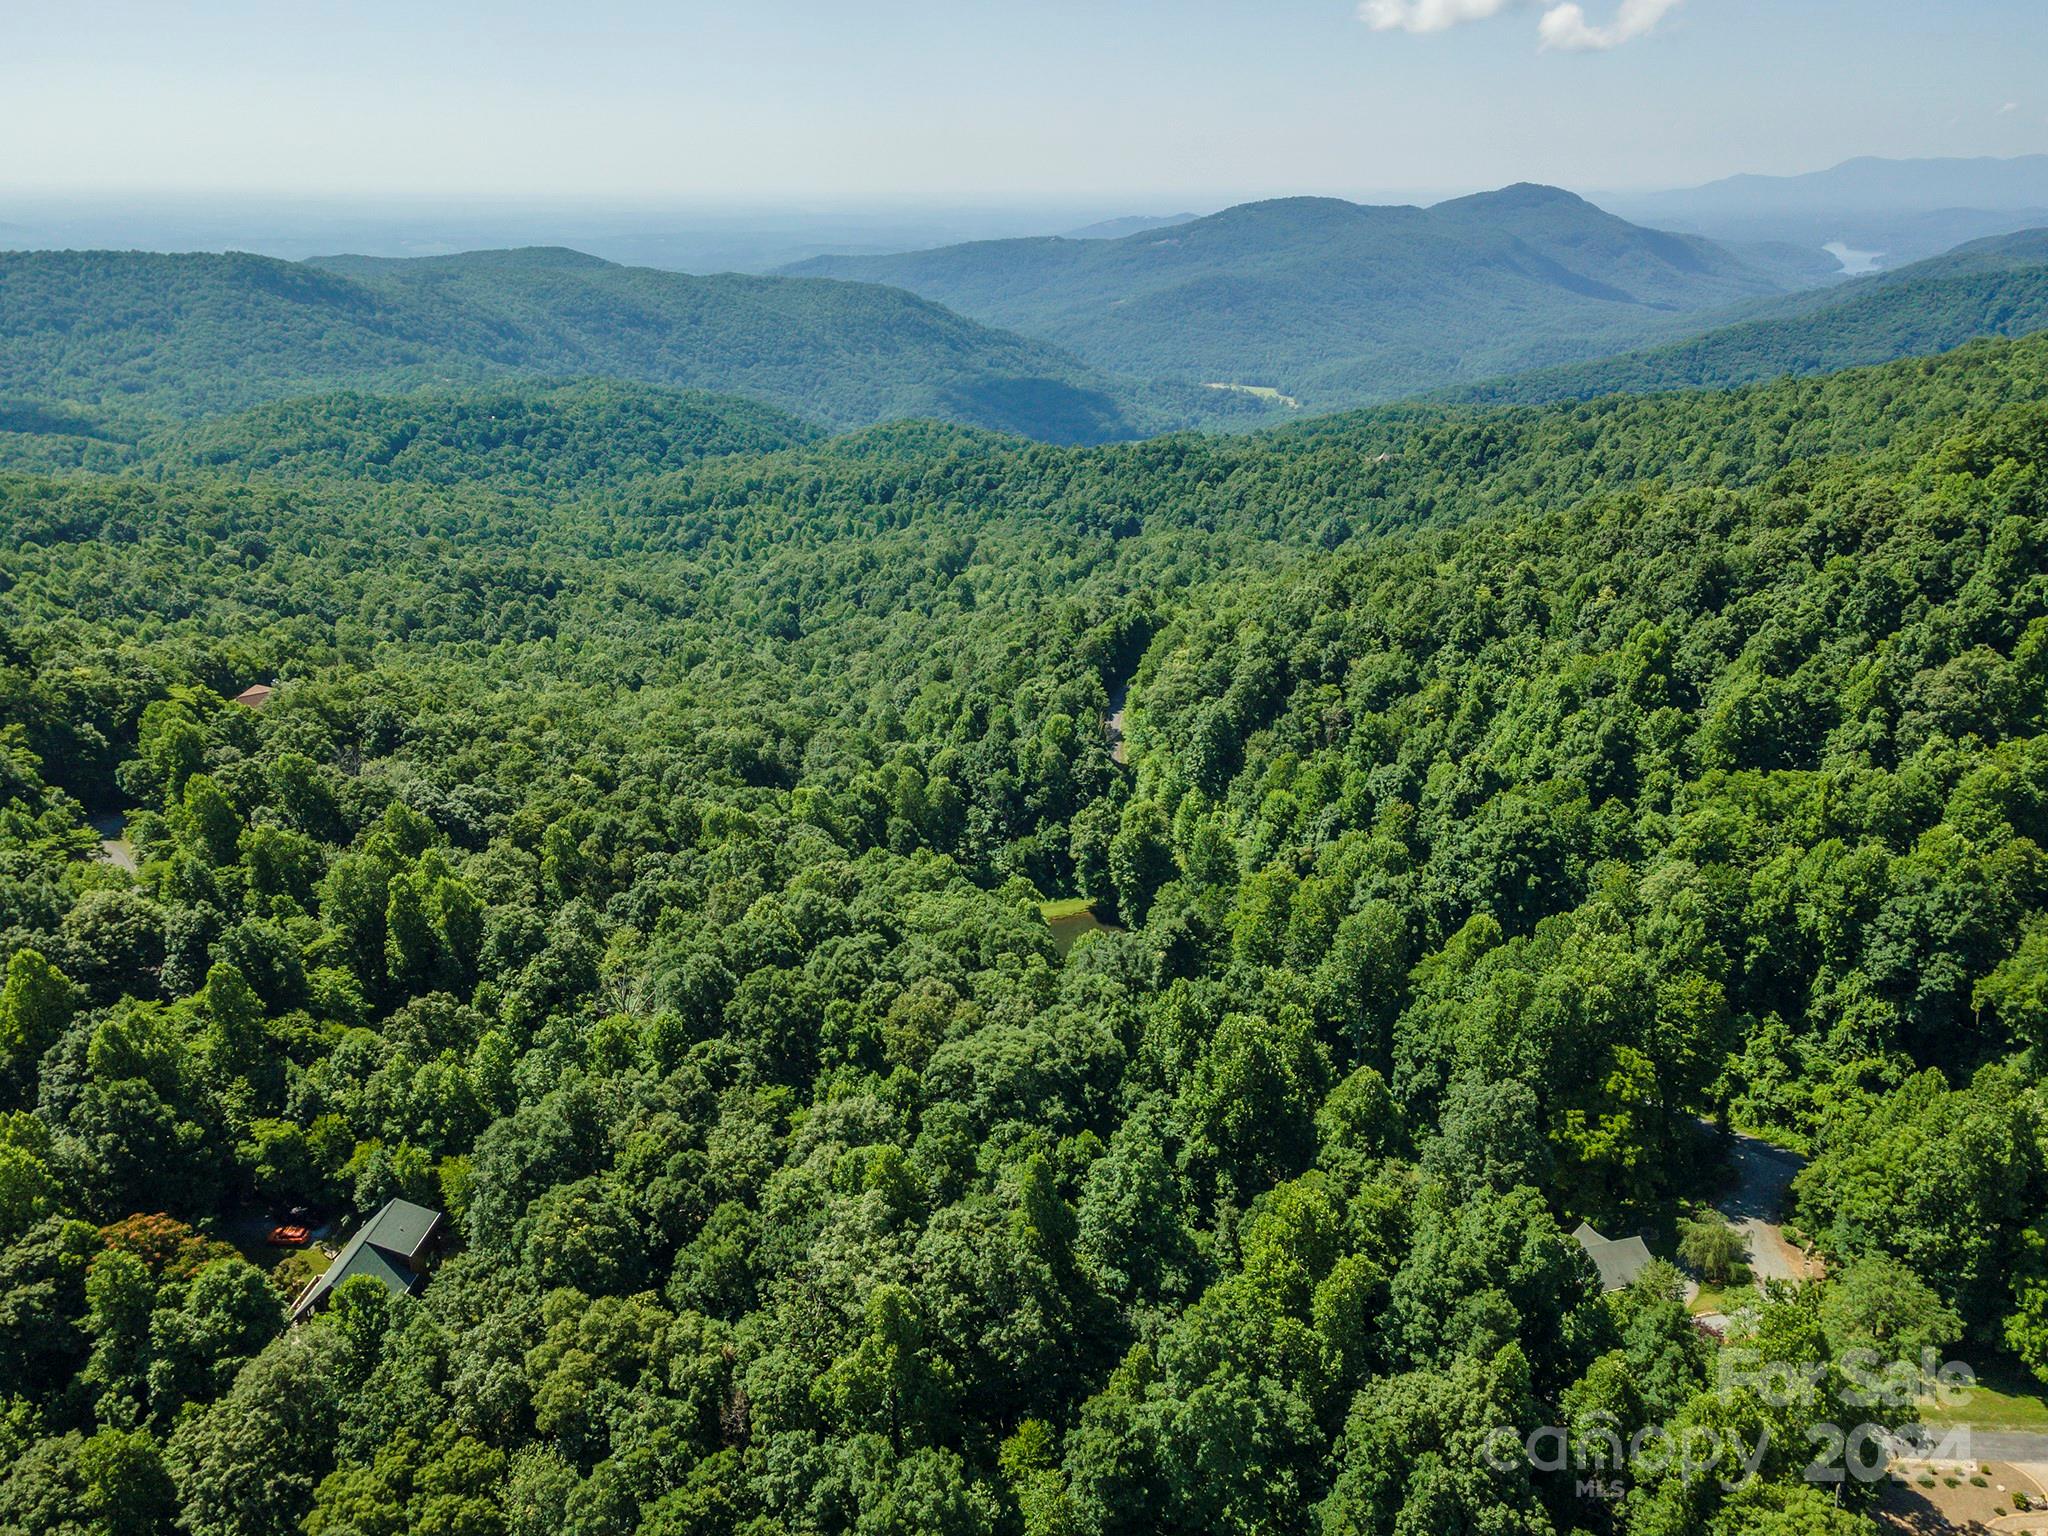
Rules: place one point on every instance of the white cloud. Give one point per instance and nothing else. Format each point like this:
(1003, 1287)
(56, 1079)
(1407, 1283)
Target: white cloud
(1564, 26)
(2008, 109)
(1426, 15)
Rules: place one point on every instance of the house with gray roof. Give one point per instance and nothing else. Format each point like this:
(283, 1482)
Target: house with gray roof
(394, 1246)
(1620, 1260)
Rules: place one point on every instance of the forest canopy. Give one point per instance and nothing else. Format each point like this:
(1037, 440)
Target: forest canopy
(642, 861)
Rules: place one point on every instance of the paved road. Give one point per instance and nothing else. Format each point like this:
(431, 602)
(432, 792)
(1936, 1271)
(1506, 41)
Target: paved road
(1113, 727)
(114, 846)
(2016, 1447)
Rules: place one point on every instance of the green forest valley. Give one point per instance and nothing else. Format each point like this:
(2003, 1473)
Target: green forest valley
(586, 847)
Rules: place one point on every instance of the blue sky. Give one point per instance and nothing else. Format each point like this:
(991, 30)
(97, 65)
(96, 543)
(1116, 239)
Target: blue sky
(919, 101)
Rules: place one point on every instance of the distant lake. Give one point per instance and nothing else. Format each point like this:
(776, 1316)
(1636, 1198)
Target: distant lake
(1854, 262)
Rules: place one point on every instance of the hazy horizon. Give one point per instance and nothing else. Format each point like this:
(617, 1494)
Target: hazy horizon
(764, 236)
(1134, 106)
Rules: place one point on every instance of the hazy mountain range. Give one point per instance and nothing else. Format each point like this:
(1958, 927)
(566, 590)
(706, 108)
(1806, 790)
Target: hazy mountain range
(181, 337)
(1335, 303)
(1890, 212)
(1232, 319)
(1996, 287)
(1136, 224)
(679, 239)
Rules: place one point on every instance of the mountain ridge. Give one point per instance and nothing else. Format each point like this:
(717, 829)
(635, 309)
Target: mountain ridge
(1897, 211)
(1991, 288)
(182, 337)
(1334, 302)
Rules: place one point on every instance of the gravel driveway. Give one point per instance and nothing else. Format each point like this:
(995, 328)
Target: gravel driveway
(1757, 1203)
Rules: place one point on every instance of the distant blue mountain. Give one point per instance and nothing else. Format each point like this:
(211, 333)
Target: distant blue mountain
(1897, 211)
(1136, 224)
(1996, 287)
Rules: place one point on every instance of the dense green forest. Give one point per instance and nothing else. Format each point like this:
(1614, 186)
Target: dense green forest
(139, 338)
(641, 860)
(1337, 304)
(553, 439)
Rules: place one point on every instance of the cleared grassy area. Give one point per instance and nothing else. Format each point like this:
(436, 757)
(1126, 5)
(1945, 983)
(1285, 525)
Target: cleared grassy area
(292, 1269)
(2007, 1396)
(1263, 392)
(1066, 911)
(303, 1265)
(1726, 1299)
(1070, 919)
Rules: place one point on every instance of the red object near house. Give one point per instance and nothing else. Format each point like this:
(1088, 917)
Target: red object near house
(289, 1237)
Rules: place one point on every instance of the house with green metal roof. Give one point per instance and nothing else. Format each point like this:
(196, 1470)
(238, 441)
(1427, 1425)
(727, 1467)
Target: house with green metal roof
(1620, 1260)
(393, 1246)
